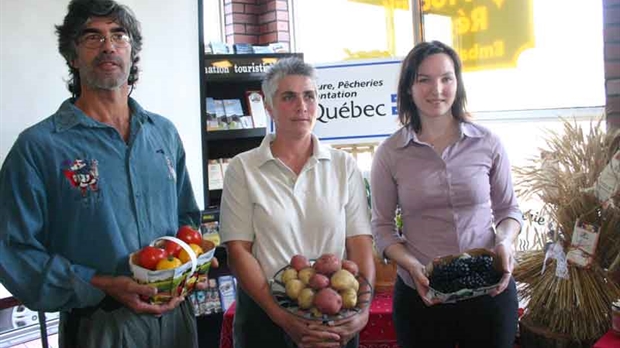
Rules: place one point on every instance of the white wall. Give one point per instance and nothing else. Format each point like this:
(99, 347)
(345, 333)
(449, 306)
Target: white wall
(33, 72)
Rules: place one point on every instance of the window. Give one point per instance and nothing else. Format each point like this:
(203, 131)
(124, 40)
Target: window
(562, 66)
(337, 30)
(20, 325)
(212, 21)
(362, 153)
(561, 75)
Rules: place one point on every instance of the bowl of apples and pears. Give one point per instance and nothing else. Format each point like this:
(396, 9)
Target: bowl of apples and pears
(325, 289)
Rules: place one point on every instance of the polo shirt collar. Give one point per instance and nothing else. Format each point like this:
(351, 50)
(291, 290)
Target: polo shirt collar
(319, 151)
(69, 116)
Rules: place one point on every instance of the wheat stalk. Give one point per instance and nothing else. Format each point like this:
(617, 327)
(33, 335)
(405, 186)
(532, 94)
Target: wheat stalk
(579, 306)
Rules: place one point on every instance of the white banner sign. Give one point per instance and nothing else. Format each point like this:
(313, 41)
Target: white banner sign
(357, 100)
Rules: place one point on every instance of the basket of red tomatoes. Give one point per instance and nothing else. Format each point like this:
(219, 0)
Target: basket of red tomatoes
(173, 264)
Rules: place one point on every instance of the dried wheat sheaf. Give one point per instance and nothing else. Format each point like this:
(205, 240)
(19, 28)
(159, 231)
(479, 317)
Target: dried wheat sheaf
(560, 176)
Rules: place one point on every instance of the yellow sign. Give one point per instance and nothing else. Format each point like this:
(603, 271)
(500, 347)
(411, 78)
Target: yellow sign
(394, 4)
(487, 34)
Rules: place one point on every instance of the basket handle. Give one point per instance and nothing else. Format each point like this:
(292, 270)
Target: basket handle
(190, 251)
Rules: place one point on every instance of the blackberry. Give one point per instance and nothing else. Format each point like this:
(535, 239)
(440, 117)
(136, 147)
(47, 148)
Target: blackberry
(464, 273)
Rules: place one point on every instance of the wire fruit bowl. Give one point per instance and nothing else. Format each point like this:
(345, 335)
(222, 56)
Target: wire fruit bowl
(278, 291)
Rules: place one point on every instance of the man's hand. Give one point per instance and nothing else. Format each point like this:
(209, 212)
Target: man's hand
(126, 291)
(506, 257)
(204, 284)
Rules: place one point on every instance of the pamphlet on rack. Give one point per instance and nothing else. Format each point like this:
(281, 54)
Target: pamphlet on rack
(228, 289)
(262, 49)
(206, 301)
(243, 48)
(212, 122)
(220, 114)
(210, 225)
(234, 112)
(220, 47)
(256, 106)
(279, 47)
(216, 179)
(211, 231)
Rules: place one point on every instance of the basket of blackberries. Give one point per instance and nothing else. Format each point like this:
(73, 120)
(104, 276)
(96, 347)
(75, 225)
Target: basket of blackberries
(464, 276)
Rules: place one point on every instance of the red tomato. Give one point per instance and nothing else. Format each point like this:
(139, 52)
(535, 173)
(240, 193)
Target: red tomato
(149, 256)
(172, 248)
(189, 235)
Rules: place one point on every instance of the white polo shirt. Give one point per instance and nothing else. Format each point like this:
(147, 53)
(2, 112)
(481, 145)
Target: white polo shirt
(283, 214)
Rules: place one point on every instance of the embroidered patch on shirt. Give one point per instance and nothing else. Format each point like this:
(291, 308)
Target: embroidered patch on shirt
(82, 174)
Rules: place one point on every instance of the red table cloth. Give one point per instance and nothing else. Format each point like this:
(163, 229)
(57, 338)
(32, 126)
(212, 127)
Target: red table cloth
(378, 333)
(610, 340)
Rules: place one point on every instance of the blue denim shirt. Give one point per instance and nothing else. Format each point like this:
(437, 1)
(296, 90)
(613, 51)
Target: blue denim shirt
(76, 200)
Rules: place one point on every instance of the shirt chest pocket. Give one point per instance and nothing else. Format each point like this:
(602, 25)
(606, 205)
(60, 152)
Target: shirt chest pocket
(158, 175)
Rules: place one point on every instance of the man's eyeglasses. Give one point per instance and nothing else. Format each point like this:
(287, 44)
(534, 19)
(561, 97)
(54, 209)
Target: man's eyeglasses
(94, 40)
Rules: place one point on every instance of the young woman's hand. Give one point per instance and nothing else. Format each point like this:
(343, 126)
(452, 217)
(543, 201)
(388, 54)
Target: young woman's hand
(420, 279)
(505, 254)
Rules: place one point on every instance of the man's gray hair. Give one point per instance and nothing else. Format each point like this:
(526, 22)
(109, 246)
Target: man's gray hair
(80, 11)
(281, 69)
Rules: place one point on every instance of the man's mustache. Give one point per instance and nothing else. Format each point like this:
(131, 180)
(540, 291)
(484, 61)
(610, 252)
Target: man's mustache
(107, 58)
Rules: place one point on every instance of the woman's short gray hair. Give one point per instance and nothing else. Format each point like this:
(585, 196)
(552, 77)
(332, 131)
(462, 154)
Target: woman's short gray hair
(281, 69)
